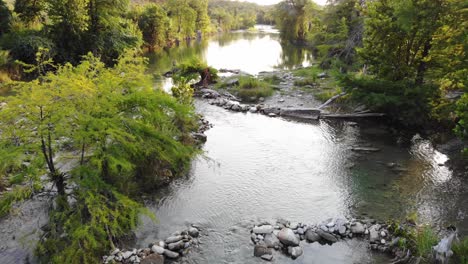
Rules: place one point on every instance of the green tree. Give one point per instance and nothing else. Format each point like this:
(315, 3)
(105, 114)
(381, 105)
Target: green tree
(399, 37)
(30, 11)
(123, 135)
(5, 18)
(154, 24)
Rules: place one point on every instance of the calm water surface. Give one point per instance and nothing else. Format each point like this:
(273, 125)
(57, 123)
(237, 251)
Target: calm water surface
(255, 167)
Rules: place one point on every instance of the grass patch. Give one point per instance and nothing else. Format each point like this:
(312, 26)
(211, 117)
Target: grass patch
(250, 88)
(309, 72)
(460, 251)
(306, 81)
(272, 79)
(425, 239)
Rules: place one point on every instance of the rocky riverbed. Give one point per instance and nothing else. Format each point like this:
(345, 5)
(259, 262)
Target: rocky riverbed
(175, 247)
(286, 237)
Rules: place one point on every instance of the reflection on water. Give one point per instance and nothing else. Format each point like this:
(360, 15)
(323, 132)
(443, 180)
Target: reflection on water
(251, 52)
(257, 167)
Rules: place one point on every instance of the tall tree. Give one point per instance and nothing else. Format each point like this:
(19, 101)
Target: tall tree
(5, 18)
(399, 36)
(154, 24)
(30, 10)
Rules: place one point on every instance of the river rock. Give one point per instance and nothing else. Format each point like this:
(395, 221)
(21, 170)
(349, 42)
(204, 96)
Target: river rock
(373, 234)
(157, 249)
(128, 254)
(312, 236)
(253, 110)
(295, 252)
(236, 107)
(327, 236)
(264, 229)
(293, 226)
(176, 246)
(271, 241)
(300, 231)
(357, 228)
(260, 250)
(287, 237)
(171, 254)
(153, 259)
(383, 233)
(342, 230)
(173, 239)
(193, 232)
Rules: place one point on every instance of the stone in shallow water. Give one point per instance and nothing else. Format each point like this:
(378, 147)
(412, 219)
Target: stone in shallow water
(260, 250)
(295, 251)
(153, 259)
(327, 236)
(357, 228)
(171, 254)
(287, 237)
(294, 226)
(264, 229)
(300, 231)
(312, 236)
(193, 232)
(173, 239)
(271, 241)
(157, 249)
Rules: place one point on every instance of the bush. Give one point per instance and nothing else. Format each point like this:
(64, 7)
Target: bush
(250, 88)
(23, 46)
(460, 250)
(403, 102)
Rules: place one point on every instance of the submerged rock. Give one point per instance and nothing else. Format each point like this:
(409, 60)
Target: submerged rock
(193, 232)
(260, 250)
(153, 259)
(327, 236)
(312, 236)
(171, 254)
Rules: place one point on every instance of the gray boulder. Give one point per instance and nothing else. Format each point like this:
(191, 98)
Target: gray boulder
(358, 228)
(287, 237)
(173, 239)
(193, 232)
(171, 254)
(271, 241)
(157, 249)
(312, 236)
(327, 236)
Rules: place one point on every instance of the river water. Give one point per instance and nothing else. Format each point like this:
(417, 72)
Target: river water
(255, 167)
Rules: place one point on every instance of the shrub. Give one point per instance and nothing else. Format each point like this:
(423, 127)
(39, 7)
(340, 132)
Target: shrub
(402, 101)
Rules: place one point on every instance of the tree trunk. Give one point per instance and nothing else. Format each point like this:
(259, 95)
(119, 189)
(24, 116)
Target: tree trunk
(422, 67)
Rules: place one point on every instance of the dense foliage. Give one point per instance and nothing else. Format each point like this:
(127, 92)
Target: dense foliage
(122, 135)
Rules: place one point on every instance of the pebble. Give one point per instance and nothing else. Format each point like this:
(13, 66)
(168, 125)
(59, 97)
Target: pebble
(157, 249)
(267, 257)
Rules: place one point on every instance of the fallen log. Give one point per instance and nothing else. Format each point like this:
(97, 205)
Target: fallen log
(301, 113)
(350, 116)
(331, 100)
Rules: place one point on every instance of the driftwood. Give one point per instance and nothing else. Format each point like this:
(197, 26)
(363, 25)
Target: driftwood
(331, 100)
(443, 251)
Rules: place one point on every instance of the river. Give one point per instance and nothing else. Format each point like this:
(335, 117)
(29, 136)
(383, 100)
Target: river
(255, 167)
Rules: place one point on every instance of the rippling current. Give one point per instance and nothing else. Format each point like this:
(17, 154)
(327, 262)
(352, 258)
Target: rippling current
(255, 167)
